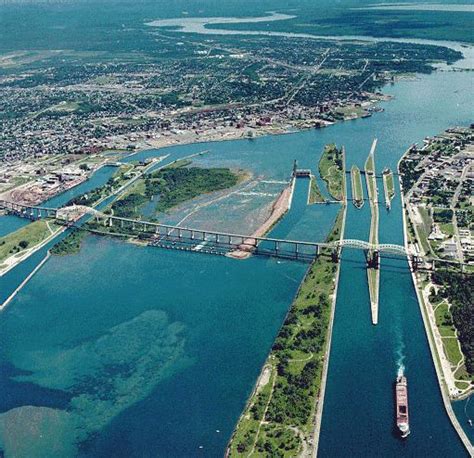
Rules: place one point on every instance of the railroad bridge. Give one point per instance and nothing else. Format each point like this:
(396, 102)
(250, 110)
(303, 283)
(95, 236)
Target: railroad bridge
(206, 241)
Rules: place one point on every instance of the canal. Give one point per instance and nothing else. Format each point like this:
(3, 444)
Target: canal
(130, 350)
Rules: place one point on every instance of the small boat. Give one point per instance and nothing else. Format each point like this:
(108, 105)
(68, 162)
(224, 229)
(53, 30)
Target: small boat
(401, 397)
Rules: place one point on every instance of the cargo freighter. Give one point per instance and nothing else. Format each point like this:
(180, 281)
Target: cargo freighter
(401, 397)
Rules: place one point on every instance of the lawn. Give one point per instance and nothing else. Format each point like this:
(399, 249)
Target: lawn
(357, 190)
(451, 348)
(444, 320)
(447, 228)
(24, 238)
(331, 170)
(389, 184)
(297, 359)
(315, 194)
(424, 229)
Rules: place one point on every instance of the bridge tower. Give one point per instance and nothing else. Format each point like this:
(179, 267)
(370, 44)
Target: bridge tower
(335, 255)
(373, 259)
(414, 262)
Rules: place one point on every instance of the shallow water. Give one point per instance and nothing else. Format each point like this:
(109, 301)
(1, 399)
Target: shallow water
(131, 351)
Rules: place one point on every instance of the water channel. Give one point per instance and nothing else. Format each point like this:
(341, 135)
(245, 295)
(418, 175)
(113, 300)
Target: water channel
(136, 351)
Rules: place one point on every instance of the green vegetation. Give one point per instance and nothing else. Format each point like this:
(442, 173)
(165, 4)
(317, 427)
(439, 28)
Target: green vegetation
(128, 206)
(371, 180)
(452, 351)
(179, 163)
(25, 237)
(444, 319)
(357, 191)
(182, 184)
(280, 416)
(388, 184)
(373, 274)
(423, 230)
(70, 244)
(331, 169)
(315, 194)
(350, 111)
(120, 177)
(441, 215)
(457, 288)
(447, 228)
(173, 185)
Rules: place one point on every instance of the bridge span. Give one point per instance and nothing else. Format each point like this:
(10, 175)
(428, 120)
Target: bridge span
(201, 240)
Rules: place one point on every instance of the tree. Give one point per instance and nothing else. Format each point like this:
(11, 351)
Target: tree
(23, 244)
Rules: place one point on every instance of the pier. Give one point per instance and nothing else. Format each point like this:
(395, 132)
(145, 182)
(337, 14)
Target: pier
(373, 271)
(356, 186)
(389, 187)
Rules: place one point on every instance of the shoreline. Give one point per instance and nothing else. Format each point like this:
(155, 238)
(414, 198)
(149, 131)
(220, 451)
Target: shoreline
(30, 252)
(430, 337)
(322, 392)
(310, 437)
(373, 273)
(279, 208)
(228, 133)
(25, 281)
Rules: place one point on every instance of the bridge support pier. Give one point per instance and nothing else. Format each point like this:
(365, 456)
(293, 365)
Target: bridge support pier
(373, 259)
(335, 255)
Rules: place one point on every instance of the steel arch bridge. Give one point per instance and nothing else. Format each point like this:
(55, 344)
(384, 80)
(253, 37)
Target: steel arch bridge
(363, 245)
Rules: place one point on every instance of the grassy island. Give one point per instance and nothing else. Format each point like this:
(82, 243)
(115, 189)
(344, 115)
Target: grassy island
(70, 244)
(279, 417)
(357, 191)
(25, 238)
(331, 169)
(173, 186)
(315, 195)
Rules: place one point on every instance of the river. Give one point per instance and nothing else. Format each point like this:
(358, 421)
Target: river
(132, 351)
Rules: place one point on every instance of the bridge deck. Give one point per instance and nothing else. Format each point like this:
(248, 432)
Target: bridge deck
(193, 233)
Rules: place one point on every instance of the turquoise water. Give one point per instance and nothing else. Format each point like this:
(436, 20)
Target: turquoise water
(130, 351)
(98, 179)
(142, 340)
(10, 223)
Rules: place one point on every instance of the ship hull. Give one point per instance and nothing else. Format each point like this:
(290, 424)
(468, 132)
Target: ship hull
(401, 403)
